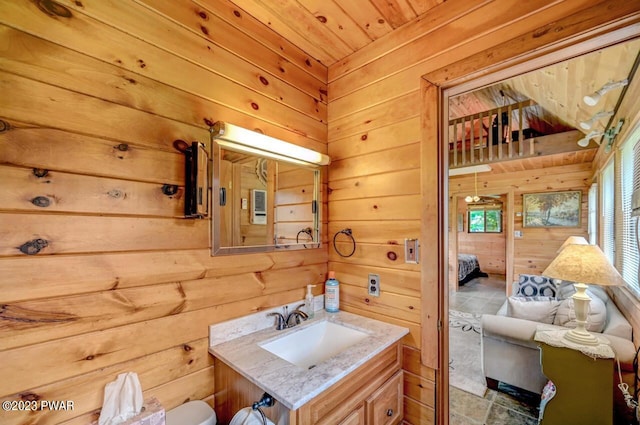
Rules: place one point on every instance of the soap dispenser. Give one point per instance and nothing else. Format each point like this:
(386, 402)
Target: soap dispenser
(332, 294)
(309, 303)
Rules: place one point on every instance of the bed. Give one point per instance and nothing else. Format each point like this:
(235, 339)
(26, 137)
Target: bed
(468, 268)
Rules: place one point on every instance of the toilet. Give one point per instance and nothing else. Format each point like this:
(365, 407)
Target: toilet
(195, 412)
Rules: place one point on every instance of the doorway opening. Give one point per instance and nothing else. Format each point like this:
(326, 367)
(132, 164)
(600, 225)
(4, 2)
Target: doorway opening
(537, 149)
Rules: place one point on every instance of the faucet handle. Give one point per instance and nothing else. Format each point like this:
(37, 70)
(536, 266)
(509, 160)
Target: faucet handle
(298, 307)
(280, 321)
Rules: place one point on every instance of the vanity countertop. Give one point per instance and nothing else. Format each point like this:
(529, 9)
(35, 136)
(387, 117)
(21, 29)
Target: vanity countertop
(292, 385)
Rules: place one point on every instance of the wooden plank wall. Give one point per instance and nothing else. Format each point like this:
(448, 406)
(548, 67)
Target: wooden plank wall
(111, 278)
(374, 110)
(537, 247)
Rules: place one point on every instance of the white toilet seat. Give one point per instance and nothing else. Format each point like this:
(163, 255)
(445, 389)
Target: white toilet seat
(195, 412)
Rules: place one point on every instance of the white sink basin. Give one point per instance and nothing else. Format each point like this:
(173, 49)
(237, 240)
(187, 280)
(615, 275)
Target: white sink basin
(314, 344)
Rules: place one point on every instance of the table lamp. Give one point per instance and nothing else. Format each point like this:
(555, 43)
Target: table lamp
(583, 264)
(572, 240)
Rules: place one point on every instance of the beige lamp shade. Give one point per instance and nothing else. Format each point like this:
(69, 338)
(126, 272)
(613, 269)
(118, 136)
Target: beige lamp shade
(584, 264)
(572, 240)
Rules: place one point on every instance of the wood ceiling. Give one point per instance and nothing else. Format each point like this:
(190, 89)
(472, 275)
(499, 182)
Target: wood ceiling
(557, 91)
(330, 30)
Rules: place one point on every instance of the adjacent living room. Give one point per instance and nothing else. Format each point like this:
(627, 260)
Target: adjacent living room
(542, 165)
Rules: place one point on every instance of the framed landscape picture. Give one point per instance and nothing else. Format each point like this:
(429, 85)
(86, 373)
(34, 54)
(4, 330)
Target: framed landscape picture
(552, 209)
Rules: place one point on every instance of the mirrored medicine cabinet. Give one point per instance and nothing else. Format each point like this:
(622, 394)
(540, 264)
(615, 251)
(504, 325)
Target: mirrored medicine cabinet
(262, 200)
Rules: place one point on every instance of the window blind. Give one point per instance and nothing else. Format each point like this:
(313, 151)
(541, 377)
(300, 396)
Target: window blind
(629, 179)
(593, 214)
(608, 212)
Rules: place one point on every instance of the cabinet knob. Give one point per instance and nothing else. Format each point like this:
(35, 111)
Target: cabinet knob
(389, 412)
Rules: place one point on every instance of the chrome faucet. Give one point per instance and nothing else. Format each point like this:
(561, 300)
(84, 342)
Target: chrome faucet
(283, 321)
(297, 314)
(280, 321)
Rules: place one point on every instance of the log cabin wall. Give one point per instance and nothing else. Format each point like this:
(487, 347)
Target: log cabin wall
(537, 247)
(378, 179)
(100, 274)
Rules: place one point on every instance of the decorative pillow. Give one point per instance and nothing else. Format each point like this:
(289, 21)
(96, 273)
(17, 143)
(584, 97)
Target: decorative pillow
(531, 285)
(536, 309)
(596, 320)
(566, 290)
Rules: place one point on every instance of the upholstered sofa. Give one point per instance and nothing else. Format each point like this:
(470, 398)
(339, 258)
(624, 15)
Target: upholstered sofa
(510, 355)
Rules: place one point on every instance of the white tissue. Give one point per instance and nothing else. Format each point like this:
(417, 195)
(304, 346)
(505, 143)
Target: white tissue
(248, 416)
(122, 399)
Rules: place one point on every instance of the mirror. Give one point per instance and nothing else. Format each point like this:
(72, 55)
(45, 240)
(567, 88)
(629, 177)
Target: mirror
(262, 204)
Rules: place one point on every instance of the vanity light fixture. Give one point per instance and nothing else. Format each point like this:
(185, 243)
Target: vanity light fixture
(594, 98)
(237, 138)
(584, 142)
(587, 124)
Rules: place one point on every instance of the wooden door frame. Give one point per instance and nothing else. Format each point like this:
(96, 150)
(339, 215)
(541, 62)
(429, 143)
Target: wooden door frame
(501, 62)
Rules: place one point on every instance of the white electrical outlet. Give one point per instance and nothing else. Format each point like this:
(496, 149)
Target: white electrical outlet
(411, 251)
(374, 285)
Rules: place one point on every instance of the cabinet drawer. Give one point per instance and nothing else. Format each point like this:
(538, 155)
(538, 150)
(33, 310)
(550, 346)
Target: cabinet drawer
(349, 394)
(355, 418)
(384, 407)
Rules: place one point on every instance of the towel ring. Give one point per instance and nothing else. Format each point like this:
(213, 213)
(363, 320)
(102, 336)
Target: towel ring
(306, 231)
(349, 233)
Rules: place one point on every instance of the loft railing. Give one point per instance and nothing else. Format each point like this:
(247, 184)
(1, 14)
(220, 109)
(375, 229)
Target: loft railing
(490, 136)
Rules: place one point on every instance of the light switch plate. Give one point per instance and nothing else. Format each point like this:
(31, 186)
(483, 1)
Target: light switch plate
(374, 285)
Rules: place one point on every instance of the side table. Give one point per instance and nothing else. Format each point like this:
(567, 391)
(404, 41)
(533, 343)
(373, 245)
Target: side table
(582, 376)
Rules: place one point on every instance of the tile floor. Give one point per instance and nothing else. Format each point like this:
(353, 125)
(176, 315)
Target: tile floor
(506, 407)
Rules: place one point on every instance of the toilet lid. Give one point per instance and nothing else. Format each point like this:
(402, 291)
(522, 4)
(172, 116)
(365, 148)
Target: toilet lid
(195, 412)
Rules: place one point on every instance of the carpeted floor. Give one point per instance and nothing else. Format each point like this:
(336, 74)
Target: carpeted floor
(465, 367)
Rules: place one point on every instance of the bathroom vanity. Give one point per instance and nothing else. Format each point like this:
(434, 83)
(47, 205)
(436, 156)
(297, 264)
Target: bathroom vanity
(337, 368)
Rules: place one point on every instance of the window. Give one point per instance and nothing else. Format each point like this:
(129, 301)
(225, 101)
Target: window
(608, 212)
(593, 214)
(627, 261)
(485, 219)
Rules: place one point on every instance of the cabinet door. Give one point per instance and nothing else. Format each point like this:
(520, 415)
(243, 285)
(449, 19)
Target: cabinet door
(355, 418)
(384, 406)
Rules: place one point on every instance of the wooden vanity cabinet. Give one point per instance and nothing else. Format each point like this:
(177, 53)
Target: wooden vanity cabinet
(371, 395)
(385, 405)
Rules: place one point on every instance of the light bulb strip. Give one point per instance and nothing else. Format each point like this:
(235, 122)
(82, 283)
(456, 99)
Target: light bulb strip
(584, 142)
(587, 124)
(241, 139)
(594, 98)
